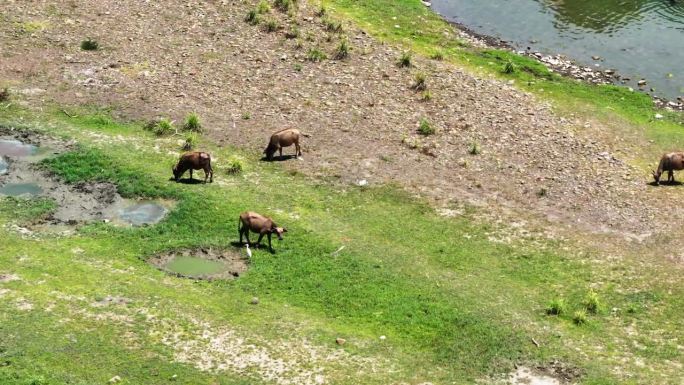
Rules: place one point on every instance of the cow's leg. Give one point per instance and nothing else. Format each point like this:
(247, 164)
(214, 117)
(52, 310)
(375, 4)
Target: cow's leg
(206, 174)
(240, 230)
(298, 150)
(270, 248)
(211, 174)
(670, 176)
(261, 235)
(281, 152)
(191, 174)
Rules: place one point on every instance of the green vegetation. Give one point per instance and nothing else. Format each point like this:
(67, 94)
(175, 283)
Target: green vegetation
(263, 7)
(474, 148)
(425, 127)
(509, 67)
(190, 141)
(235, 165)
(284, 5)
(580, 317)
(592, 303)
(192, 123)
(439, 55)
(426, 96)
(405, 60)
(90, 45)
(316, 55)
(453, 306)
(342, 51)
(332, 25)
(4, 94)
(292, 33)
(556, 307)
(419, 81)
(161, 127)
(252, 17)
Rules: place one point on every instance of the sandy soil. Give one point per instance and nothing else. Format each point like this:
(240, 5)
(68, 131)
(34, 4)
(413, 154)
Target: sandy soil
(558, 174)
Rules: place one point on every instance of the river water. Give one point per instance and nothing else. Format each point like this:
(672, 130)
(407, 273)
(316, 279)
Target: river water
(638, 38)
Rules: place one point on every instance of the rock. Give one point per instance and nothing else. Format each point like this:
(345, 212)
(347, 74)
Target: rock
(114, 380)
(382, 338)
(427, 3)
(658, 116)
(596, 57)
(641, 82)
(340, 341)
(362, 182)
(254, 301)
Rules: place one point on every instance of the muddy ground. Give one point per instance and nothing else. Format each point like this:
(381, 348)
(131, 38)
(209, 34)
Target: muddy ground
(78, 203)
(551, 175)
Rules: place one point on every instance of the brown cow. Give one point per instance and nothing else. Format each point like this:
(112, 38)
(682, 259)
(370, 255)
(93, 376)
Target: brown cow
(670, 162)
(257, 223)
(194, 161)
(283, 138)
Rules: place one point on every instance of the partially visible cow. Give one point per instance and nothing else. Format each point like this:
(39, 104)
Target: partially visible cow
(257, 223)
(194, 161)
(670, 162)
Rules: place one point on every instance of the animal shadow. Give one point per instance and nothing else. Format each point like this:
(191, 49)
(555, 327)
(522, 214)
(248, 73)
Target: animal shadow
(675, 183)
(278, 158)
(189, 181)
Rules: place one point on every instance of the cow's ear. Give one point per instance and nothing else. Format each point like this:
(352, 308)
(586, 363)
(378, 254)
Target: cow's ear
(284, 230)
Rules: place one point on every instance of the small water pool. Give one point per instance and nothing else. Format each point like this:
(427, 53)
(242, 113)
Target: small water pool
(142, 213)
(195, 266)
(16, 149)
(20, 189)
(4, 167)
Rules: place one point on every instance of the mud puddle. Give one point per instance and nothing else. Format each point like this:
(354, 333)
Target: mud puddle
(140, 213)
(201, 263)
(21, 176)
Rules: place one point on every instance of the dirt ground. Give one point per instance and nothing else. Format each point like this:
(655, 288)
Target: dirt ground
(557, 176)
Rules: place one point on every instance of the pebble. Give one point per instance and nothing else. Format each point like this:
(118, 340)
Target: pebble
(658, 116)
(254, 301)
(340, 341)
(114, 380)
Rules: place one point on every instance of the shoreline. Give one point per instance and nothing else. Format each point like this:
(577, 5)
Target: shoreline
(562, 65)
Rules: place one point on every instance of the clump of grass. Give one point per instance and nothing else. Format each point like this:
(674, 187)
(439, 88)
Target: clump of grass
(263, 7)
(580, 317)
(298, 67)
(426, 128)
(542, 192)
(4, 94)
(342, 51)
(592, 303)
(164, 127)
(419, 82)
(190, 141)
(438, 56)
(332, 25)
(192, 123)
(252, 17)
(556, 307)
(474, 148)
(427, 96)
(271, 25)
(246, 116)
(235, 165)
(299, 44)
(405, 60)
(283, 5)
(316, 55)
(509, 67)
(292, 33)
(90, 45)
(321, 11)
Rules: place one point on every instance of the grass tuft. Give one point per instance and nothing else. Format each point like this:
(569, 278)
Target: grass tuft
(556, 307)
(235, 165)
(192, 123)
(316, 55)
(419, 82)
(322, 11)
(292, 33)
(580, 317)
(405, 60)
(426, 96)
(474, 148)
(271, 25)
(90, 45)
(342, 51)
(252, 17)
(425, 127)
(263, 7)
(332, 26)
(4, 94)
(284, 5)
(161, 127)
(190, 141)
(509, 67)
(592, 303)
(439, 55)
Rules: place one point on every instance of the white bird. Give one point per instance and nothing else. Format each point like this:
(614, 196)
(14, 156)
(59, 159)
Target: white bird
(249, 251)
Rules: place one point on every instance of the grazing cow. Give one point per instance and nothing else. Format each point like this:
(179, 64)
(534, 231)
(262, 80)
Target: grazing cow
(670, 162)
(257, 223)
(283, 138)
(194, 161)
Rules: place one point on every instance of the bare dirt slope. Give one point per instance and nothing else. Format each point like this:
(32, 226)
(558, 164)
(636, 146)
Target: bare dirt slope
(170, 58)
